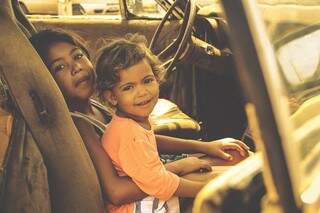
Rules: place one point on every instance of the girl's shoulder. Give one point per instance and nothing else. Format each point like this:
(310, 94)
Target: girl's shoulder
(119, 123)
(125, 128)
(106, 111)
(119, 130)
(98, 125)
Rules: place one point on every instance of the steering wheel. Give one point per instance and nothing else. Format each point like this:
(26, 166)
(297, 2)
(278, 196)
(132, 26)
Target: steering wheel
(175, 49)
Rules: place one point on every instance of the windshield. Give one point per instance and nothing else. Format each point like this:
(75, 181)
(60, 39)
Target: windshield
(70, 7)
(293, 28)
(145, 8)
(203, 3)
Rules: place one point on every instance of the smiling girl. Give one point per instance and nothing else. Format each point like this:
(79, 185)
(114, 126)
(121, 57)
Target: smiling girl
(128, 78)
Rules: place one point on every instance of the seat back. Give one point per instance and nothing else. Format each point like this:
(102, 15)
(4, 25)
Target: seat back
(24, 24)
(72, 181)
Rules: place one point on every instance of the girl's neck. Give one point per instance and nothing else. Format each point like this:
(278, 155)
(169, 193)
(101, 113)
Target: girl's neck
(87, 108)
(83, 106)
(143, 122)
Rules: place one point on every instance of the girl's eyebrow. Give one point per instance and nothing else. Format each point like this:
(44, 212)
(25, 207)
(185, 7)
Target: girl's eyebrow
(130, 83)
(60, 58)
(125, 84)
(147, 76)
(73, 50)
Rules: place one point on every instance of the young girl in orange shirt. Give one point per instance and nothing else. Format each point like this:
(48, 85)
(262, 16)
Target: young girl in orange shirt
(128, 77)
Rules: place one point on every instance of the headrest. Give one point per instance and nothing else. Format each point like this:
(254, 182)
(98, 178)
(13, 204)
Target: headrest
(24, 24)
(6, 9)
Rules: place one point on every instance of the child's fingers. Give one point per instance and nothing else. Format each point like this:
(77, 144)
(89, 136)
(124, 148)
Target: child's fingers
(240, 143)
(224, 155)
(227, 141)
(243, 145)
(205, 168)
(243, 152)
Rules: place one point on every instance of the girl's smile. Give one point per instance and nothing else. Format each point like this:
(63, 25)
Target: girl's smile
(144, 103)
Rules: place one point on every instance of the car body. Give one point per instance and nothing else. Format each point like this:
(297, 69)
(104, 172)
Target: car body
(79, 7)
(39, 7)
(223, 96)
(97, 7)
(112, 6)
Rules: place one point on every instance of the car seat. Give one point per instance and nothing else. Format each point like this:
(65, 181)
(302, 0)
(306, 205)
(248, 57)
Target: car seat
(44, 165)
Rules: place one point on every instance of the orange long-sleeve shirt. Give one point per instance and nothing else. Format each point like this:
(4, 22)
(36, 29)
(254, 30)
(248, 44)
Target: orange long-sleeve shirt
(133, 151)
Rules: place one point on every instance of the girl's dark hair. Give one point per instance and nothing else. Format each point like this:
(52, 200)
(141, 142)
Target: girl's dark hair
(42, 40)
(121, 54)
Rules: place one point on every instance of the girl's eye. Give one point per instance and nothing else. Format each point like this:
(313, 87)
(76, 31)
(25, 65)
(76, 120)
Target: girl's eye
(127, 88)
(148, 80)
(59, 67)
(78, 56)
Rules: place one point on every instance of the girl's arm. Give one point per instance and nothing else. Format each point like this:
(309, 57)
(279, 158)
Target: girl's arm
(119, 190)
(188, 188)
(167, 144)
(188, 165)
(217, 148)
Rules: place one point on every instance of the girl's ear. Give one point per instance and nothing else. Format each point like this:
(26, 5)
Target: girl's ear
(110, 97)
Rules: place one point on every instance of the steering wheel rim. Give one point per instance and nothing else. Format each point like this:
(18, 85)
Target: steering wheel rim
(184, 35)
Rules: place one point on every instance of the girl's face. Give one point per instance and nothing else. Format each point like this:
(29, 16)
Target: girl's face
(137, 92)
(72, 70)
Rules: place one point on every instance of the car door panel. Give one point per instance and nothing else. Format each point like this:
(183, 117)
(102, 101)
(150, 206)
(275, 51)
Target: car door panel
(96, 30)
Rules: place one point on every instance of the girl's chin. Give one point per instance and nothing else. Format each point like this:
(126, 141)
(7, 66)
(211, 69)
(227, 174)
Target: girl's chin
(85, 93)
(79, 97)
(137, 117)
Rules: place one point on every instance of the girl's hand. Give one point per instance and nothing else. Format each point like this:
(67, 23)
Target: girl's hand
(188, 165)
(218, 148)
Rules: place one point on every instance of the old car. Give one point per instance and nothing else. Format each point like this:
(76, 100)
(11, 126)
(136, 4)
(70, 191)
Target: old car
(226, 64)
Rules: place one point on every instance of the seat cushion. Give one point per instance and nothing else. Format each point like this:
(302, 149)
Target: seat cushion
(168, 119)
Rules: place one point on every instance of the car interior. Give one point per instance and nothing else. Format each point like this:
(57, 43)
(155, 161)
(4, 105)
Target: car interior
(184, 79)
(39, 127)
(220, 82)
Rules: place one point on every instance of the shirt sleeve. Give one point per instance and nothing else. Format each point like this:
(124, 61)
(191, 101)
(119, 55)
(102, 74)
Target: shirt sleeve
(140, 160)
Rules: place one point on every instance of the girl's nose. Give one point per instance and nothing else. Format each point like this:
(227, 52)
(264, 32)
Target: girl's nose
(142, 91)
(76, 68)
